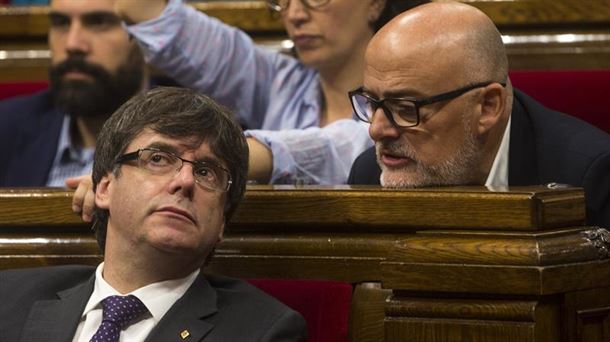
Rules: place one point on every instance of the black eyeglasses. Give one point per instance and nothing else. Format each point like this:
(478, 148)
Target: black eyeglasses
(282, 5)
(402, 111)
(208, 175)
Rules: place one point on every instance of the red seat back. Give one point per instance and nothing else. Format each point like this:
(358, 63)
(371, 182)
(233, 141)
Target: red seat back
(584, 93)
(10, 89)
(324, 304)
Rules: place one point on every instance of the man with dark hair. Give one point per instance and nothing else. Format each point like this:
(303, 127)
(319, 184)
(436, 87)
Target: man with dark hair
(169, 170)
(443, 112)
(95, 67)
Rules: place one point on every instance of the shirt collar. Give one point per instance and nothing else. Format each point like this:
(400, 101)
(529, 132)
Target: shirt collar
(157, 297)
(66, 150)
(498, 175)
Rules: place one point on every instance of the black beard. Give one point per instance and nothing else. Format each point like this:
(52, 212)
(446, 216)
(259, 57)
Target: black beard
(98, 97)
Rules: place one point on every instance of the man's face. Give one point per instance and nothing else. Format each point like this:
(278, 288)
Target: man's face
(443, 149)
(167, 214)
(94, 66)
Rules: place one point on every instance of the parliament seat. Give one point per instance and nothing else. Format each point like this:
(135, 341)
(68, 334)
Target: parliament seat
(581, 93)
(11, 89)
(325, 305)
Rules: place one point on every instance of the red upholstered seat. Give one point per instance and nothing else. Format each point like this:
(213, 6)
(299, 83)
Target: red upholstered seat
(324, 305)
(583, 93)
(11, 89)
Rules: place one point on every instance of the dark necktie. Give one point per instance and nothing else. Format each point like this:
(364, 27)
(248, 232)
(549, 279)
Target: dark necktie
(118, 312)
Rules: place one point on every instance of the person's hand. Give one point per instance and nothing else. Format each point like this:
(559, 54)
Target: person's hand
(83, 200)
(133, 12)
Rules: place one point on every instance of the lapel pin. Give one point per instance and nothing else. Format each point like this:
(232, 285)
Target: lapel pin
(184, 334)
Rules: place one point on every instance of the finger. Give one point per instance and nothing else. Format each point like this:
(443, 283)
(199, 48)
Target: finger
(79, 197)
(88, 205)
(73, 182)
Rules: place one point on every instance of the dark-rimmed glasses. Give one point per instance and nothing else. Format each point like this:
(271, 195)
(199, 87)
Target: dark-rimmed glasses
(158, 162)
(402, 111)
(282, 5)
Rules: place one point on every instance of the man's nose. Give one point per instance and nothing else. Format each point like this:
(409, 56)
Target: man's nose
(183, 181)
(381, 128)
(77, 40)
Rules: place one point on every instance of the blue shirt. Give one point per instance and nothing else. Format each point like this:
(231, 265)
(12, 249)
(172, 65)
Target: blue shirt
(272, 94)
(70, 160)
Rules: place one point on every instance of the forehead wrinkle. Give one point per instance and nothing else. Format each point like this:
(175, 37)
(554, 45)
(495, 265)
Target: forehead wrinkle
(395, 76)
(81, 7)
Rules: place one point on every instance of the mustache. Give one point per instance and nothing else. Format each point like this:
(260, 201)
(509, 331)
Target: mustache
(395, 148)
(75, 63)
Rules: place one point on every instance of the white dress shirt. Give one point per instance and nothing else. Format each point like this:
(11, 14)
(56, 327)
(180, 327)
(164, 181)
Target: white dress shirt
(157, 297)
(498, 175)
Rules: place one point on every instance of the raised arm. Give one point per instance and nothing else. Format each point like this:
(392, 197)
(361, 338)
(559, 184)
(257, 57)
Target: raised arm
(205, 54)
(134, 12)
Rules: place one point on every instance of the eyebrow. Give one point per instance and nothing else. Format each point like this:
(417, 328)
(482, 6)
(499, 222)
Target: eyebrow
(175, 150)
(108, 16)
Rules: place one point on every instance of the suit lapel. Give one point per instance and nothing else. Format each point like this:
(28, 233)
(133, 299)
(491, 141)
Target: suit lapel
(57, 319)
(188, 314)
(522, 161)
(38, 146)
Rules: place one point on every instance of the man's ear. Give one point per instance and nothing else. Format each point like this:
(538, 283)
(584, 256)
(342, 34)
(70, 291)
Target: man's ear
(375, 10)
(493, 106)
(102, 192)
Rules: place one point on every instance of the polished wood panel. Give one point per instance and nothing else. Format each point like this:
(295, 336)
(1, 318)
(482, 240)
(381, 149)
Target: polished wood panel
(438, 264)
(517, 208)
(463, 319)
(368, 312)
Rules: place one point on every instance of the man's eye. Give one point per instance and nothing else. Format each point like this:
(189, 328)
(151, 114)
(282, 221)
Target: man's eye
(58, 21)
(159, 159)
(101, 21)
(205, 172)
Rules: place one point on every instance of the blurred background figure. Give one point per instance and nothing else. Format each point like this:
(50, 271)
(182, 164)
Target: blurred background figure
(50, 136)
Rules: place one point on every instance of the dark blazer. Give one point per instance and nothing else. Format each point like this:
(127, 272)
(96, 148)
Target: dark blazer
(29, 134)
(45, 304)
(545, 146)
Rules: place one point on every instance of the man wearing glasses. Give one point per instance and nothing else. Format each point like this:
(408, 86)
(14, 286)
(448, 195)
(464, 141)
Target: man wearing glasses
(443, 112)
(169, 170)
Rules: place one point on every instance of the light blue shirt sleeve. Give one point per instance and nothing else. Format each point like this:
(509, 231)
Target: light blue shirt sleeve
(315, 155)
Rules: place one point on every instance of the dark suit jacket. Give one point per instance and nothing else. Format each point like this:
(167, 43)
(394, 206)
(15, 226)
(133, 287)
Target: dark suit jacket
(29, 134)
(45, 304)
(545, 146)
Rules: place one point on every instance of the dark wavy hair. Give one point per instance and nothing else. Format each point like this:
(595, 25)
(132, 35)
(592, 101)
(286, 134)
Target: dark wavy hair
(178, 113)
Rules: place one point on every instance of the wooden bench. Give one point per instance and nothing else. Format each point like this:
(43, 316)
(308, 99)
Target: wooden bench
(540, 35)
(439, 264)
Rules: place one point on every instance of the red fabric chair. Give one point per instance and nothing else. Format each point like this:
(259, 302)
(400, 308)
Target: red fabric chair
(324, 305)
(584, 93)
(10, 89)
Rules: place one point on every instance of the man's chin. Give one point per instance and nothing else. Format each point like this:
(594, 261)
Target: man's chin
(399, 179)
